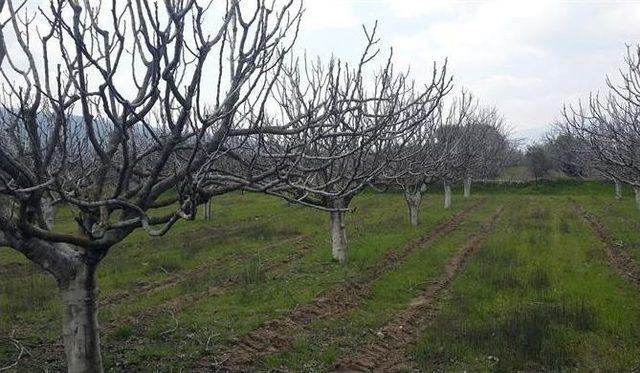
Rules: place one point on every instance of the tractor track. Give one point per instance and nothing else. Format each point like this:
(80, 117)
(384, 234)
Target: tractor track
(388, 351)
(279, 334)
(617, 257)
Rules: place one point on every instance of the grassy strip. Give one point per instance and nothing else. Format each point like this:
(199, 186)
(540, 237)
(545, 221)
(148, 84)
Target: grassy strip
(244, 229)
(329, 339)
(618, 258)
(388, 352)
(621, 217)
(280, 333)
(222, 319)
(538, 296)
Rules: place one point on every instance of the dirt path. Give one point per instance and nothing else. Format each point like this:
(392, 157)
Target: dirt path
(279, 334)
(388, 352)
(619, 259)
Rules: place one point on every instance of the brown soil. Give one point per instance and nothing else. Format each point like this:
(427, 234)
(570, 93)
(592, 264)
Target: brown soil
(279, 334)
(388, 351)
(619, 259)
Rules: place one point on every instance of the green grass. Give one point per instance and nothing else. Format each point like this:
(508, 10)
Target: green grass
(249, 234)
(234, 313)
(621, 217)
(538, 295)
(563, 187)
(337, 337)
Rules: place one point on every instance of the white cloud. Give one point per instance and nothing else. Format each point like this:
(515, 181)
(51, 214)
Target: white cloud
(483, 34)
(326, 14)
(496, 85)
(412, 8)
(527, 58)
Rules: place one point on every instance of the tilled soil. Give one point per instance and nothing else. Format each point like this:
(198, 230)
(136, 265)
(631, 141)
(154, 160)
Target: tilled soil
(389, 351)
(619, 259)
(279, 334)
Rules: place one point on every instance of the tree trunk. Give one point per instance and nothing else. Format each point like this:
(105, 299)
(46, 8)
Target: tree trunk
(636, 190)
(49, 212)
(467, 187)
(207, 210)
(80, 332)
(618, 188)
(338, 235)
(413, 203)
(447, 196)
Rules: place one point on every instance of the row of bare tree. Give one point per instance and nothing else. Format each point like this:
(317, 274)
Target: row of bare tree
(134, 114)
(464, 142)
(602, 134)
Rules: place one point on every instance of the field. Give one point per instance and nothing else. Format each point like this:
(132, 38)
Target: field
(538, 276)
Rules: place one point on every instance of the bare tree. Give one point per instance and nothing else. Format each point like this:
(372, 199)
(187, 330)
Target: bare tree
(104, 112)
(418, 167)
(487, 147)
(356, 136)
(569, 154)
(538, 160)
(466, 141)
(427, 154)
(610, 125)
(575, 157)
(455, 142)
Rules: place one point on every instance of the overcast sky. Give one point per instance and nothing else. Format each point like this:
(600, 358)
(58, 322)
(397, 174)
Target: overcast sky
(525, 57)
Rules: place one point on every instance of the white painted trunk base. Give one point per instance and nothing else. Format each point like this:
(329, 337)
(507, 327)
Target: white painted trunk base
(636, 191)
(413, 203)
(207, 210)
(338, 236)
(467, 187)
(80, 332)
(618, 188)
(447, 196)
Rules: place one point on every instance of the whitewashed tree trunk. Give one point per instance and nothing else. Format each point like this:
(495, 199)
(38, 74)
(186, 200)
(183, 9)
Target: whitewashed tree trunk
(80, 332)
(636, 191)
(618, 189)
(467, 187)
(413, 203)
(447, 196)
(207, 210)
(338, 234)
